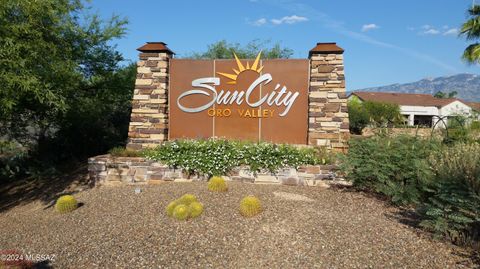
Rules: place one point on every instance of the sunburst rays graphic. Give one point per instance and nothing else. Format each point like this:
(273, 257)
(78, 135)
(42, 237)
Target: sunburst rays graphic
(240, 68)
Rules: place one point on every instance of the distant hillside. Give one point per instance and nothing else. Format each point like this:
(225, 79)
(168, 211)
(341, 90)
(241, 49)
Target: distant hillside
(467, 86)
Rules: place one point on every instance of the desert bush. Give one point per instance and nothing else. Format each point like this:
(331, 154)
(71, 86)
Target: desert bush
(453, 209)
(218, 157)
(217, 184)
(66, 203)
(393, 166)
(250, 206)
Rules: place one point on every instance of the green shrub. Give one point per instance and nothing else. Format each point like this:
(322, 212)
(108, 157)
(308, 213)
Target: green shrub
(217, 184)
(13, 160)
(250, 206)
(453, 210)
(218, 157)
(66, 203)
(124, 152)
(358, 116)
(393, 166)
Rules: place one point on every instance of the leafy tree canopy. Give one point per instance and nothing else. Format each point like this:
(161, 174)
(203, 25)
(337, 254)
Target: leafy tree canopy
(224, 50)
(441, 94)
(51, 54)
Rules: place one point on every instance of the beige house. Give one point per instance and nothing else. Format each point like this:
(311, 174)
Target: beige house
(421, 109)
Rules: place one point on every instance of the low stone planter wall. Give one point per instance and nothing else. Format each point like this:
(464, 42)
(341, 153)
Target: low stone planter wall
(108, 170)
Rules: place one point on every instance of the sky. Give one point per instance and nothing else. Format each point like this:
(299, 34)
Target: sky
(385, 41)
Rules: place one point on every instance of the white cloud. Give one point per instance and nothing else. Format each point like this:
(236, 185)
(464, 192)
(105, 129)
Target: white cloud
(339, 27)
(431, 31)
(259, 22)
(368, 27)
(453, 31)
(289, 20)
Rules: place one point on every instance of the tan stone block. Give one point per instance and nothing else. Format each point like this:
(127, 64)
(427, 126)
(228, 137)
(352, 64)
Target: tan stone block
(158, 101)
(162, 64)
(143, 82)
(142, 69)
(334, 82)
(330, 124)
(317, 83)
(159, 91)
(332, 95)
(157, 136)
(318, 58)
(141, 97)
(318, 94)
(145, 111)
(338, 100)
(323, 142)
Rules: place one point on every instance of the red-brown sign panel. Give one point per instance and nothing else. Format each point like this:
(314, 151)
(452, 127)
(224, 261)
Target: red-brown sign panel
(257, 100)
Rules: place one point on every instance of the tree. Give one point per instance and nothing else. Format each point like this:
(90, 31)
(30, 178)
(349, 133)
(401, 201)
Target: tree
(357, 116)
(224, 50)
(442, 95)
(471, 31)
(383, 114)
(61, 79)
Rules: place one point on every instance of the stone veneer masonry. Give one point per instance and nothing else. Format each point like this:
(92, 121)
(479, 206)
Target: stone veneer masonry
(108, 170)
(328, 123)
(149, 119)
(327, 111)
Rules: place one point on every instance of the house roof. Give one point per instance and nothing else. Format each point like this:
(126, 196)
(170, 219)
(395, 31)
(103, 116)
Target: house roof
(405, 99)
(474, 105)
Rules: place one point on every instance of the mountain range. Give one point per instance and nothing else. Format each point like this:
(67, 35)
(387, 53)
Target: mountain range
(467, 86)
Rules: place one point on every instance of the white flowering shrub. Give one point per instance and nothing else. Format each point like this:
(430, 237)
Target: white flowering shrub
(218, 157)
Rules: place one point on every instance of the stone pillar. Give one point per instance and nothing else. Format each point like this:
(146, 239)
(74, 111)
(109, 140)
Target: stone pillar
(328, 123)
(149, 118)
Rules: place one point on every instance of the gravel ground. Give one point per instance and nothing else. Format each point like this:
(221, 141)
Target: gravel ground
(301, 227)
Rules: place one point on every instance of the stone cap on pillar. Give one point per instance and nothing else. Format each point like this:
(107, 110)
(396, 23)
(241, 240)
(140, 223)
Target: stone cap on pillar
(326, 48)
(155, 47)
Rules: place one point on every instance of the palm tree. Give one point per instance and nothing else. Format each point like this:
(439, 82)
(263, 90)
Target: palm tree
(471, 30)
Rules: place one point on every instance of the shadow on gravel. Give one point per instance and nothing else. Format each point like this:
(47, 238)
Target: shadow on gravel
(46, 190)
(43, 265)
(406, 216)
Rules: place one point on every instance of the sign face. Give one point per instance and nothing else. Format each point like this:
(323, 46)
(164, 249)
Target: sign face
(257, 100)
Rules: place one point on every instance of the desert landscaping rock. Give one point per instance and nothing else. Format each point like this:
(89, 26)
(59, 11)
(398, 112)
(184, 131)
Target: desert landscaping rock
(292, 196)
(116, 228)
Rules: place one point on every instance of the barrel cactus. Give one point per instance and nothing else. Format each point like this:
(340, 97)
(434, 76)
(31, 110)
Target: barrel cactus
(170, 207)
(196, 209)
(187, 199)
(217, 184)
(66, 203)
(250, 206)
(181, 212)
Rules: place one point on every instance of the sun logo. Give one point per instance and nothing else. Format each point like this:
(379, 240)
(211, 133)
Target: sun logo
(255, 67)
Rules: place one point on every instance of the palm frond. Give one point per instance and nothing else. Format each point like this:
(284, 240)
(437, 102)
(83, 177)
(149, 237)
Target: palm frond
(472, 54)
